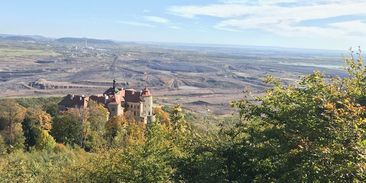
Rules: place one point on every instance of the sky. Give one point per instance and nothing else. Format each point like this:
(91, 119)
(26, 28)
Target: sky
(317, 24)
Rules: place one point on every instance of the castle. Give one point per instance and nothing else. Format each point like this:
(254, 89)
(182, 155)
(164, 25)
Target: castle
(117, 101)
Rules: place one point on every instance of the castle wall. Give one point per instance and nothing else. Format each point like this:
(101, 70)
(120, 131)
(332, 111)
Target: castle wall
(135, 107)
(147, 106)
(115, 109)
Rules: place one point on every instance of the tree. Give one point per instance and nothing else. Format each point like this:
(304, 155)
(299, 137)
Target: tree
(177, 119)
(356, 82)
(68, 128)
(94, 127)
(3, 146)
(14, 138)
(94, 142)
(152, 159)
(52, 107)
(98, 117)
(181, 133)
(120, 132)
(35, 119)
(12, 114)
(313, 131)
(44, 141)
(146, 162)
(201, 161)
(129, 116)
(116, 130)
(135, 134)
(48, 104)
(162, 115)
(40, 166)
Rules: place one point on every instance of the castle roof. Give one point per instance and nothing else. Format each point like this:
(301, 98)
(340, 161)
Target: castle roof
(112, 91)
(74, 101)
(98, 98)
(112, 94)
(132, 96)
(145, 92)
(127, 95)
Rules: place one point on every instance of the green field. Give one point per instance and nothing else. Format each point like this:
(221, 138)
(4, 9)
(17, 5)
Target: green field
(20, 52)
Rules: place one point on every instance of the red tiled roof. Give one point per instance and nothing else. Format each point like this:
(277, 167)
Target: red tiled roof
(146, 92)
(128, 95)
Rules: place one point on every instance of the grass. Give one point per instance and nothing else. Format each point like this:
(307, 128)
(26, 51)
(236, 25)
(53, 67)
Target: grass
(20, 52)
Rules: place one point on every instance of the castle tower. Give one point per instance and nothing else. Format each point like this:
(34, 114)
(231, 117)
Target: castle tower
(115, 109)
(113, 98)
(147, 99)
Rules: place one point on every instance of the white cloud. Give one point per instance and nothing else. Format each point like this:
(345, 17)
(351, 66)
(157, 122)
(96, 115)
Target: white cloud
(355, 28)
(174, 27)
(265, 9)
(258, 2)
(138, 24)
(157, 19)
(282, 17)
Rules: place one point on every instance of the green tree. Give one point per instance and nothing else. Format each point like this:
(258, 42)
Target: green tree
(40, 166)
(3, 146)
(153, 158)
(356, 82)
(116, 131)
(98, 117)
(146, 162)
(35, 119)
(48, 104)
(44, 141)
(310, 132)
(94, 142)
(135, 134)
(178, 120)
(68, 128)
(94, 128)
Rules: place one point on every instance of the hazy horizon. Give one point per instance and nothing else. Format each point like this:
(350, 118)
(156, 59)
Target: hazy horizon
(188, 44)
(279, 23)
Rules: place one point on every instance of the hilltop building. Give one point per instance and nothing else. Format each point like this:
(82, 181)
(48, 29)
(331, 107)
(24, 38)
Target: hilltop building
(118, 101)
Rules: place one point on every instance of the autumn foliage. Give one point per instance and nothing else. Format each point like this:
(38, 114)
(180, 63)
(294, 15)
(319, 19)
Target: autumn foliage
(309, 131)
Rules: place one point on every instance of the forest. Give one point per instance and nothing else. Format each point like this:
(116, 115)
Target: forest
(311, 131)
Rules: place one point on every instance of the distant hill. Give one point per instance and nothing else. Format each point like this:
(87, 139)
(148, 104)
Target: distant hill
(83, 40)
(67, 40)
(8, 37)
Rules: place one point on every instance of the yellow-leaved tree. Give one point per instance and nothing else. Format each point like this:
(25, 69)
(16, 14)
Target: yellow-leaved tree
(312, 131)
